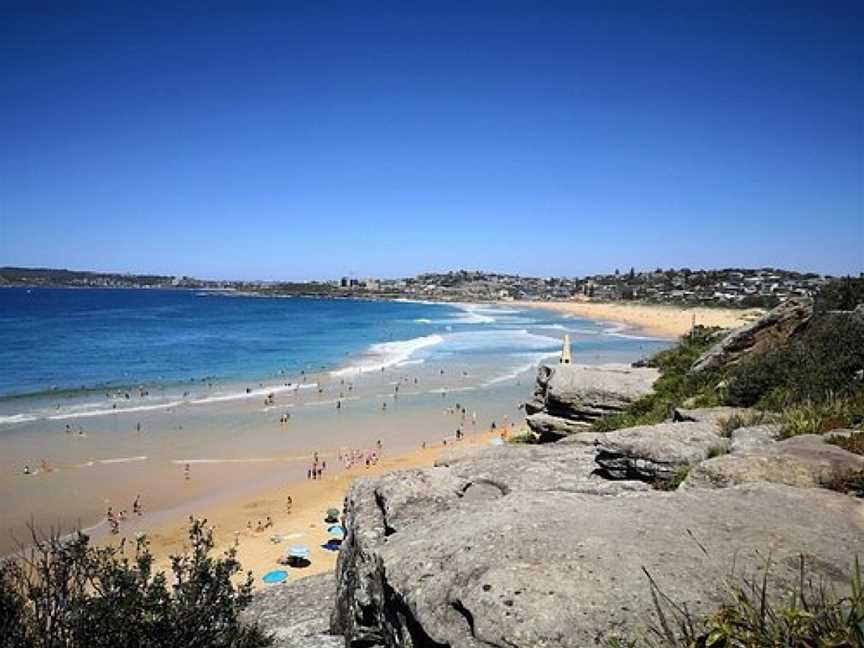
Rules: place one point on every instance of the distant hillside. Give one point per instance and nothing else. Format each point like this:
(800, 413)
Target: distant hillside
(14, 276)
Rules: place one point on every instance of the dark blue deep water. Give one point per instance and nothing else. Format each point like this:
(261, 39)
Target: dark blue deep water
(71, 339)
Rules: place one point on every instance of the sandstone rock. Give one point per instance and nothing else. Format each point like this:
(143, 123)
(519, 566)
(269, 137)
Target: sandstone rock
(297, 613)
(569, 398)
(719, 416)
(552, 468)
(552, 428)
(753, 437)
(804, 461)
(769, 331)
(423, 566)
(653, 452)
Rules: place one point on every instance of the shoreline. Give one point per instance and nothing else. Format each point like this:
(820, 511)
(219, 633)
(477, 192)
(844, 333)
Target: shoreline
(668, 321)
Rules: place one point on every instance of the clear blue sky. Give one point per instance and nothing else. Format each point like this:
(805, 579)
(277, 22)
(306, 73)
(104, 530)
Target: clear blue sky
(289, 140)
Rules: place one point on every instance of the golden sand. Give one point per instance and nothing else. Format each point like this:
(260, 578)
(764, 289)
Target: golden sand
(304, 525)
(654, 319)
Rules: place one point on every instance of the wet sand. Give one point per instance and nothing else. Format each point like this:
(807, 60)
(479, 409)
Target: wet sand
(654, 319)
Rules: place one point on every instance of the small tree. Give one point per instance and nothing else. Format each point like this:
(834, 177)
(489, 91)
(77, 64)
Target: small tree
(67, 593)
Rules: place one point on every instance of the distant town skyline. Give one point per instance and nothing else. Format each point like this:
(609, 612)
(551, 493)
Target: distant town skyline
(296, 142)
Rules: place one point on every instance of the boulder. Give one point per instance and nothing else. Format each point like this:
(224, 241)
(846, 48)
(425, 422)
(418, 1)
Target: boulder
(568, 398)
(805, 461)
(297, 613)
(754, 437)
(653, 452)
(769, 331)
(423, 564)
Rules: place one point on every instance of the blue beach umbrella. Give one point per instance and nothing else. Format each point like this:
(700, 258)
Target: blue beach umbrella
(299, 552)
(275, 576)
(336, 531)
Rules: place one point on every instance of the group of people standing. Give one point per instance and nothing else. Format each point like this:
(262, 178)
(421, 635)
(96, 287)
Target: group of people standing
(114, 519)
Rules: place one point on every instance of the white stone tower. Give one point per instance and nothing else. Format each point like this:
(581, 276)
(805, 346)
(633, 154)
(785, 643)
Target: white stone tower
(565, 352)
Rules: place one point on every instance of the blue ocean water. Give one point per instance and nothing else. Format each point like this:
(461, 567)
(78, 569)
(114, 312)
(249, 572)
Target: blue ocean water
(67, 342)
(90, 339)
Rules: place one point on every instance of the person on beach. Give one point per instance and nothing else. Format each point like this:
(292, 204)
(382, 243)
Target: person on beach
(138, 427)
(136, 506)
(26, 469)
(269, 523)
(68, 429)
(288, 504)
(186, 472)
(259, 528)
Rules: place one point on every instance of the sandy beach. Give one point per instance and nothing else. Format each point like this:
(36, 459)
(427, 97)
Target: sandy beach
(303, 525)
(654, 319)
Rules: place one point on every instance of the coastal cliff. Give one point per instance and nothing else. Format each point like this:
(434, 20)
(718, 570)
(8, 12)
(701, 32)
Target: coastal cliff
(587, 540)
(528, 546)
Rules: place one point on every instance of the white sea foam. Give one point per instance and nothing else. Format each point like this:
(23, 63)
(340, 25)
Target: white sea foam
(218, 461)
(451, 390)
(121, 460)
(534, 360)
(90, 410)
(387, 354)
(119, 410)
(503, 340)
(409, 363)
(639, 337)
(552, 327)
(423, 320)
(11, 419)
(332, 401)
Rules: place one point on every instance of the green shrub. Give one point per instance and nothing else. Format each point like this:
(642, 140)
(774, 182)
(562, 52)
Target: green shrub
(65, 593)
(852, 483)
(523, 436)
(674, 384)
(671, 484)
(840, 294)
(732, 423)
(815, 379)
(811, 616)
(852, 443)
(827, 358)
(819, 417)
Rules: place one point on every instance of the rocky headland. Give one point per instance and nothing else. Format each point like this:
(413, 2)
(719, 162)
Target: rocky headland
(579, 542)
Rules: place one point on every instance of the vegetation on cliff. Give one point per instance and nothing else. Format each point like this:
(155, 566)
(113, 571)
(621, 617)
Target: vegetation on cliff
(67, 593)
(812, 383)
(753, 615)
